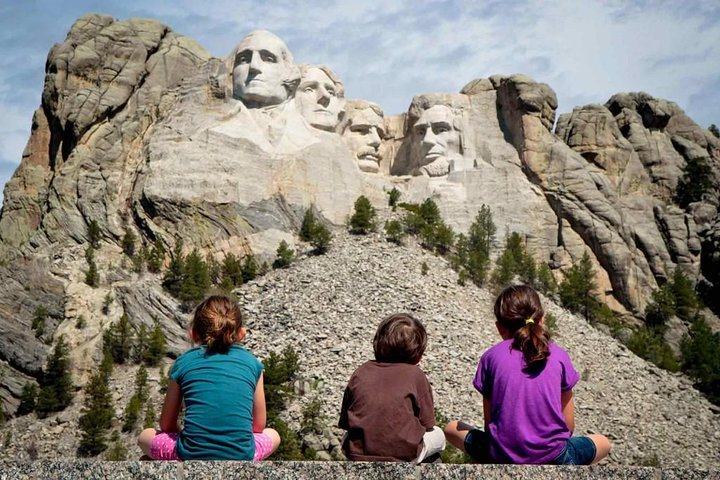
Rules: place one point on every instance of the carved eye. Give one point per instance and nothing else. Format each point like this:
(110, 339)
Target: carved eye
(361, 129)
(242, 58)
(331, 92)
(268, 57)
(440, 128)
(420, 130)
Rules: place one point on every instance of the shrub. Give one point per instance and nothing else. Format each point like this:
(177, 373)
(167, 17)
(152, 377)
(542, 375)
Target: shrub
(695, 182)
(284, 255)
(393, 197)
(128, 243)
(363, 219)
(649, 344)
(394, 231)
(321, 239)
(156, 256)
(93, 233)
(307, 228)
(28, 399)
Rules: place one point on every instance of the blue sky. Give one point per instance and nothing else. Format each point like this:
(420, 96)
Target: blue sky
(388, 51)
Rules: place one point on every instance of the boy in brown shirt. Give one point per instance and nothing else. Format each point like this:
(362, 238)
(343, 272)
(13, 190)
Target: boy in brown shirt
(387, 408)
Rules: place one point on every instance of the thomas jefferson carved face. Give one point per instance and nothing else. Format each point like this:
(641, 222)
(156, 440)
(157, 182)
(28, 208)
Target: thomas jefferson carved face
(439, 141)
(319, 99)
(261, 66)
(363, 134)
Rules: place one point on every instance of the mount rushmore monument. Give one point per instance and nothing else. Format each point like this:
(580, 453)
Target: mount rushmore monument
(141, 129)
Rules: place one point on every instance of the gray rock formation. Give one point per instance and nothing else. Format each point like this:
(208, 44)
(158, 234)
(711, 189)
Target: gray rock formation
(141, 130)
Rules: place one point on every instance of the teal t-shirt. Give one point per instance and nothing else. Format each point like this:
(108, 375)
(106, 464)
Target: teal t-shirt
(218, 390)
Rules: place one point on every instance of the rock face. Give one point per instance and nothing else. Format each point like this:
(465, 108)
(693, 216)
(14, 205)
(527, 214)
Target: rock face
(141, 130)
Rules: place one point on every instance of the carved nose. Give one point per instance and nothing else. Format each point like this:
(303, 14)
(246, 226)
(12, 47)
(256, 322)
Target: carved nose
(255, 63)
(323, 97)
(429, 138)
(374, 138)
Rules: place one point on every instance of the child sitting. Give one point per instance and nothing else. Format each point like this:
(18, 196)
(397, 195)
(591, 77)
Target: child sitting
(222, 386)
(387, 408)
(526, 383)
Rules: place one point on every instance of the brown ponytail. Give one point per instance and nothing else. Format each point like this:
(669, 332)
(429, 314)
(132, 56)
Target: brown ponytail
(217, 323)
(519, 310)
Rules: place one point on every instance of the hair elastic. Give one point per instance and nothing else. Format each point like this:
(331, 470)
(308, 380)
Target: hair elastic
(529, 321)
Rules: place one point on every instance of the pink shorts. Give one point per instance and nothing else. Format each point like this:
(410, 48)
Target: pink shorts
(164, 446)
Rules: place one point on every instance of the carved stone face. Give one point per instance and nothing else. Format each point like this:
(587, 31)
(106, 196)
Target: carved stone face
(318, 101)
(363, 135)
(439, 141)
(259, 70)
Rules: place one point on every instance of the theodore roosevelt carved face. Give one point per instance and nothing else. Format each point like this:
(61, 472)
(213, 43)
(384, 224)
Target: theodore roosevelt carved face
(320, 97)
(363, 131)
(437, 137)
(263, 73)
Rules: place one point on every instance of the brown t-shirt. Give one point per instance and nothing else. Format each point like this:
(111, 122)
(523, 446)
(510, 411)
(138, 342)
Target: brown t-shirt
(386, 410)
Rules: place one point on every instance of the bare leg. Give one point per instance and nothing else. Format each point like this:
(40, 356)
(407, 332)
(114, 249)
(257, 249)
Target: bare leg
(455, 433)
(602, 447)
(145, 440)
(274, 436)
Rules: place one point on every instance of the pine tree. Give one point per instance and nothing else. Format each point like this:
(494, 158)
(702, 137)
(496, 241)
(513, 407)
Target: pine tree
(686, 300)
(157, 346)
(196, 280)
(128, 243)
(363, 219)
(393, 197)
(321, 239)
(232, 271)
(284, 255)
(96, 418)
(475, 248)
(577, 290)
(150, 416)
(117, 452)
(695, 182)
(39, 317)
(93, 233)
(173, 279)
(156, 256)
(701, 358)
(545, 280)
(141, 344)
(394, 231)
(28, 399)
(661, 308)
(56, 391)
(714, 130)
(92, 277)
(249, 268)
(307, 229)
(118, 340)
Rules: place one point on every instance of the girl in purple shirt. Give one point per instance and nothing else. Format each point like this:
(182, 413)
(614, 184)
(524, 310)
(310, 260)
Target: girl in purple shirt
(526, 382)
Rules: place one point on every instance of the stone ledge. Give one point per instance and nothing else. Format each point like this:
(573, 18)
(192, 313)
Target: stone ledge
(59, 470)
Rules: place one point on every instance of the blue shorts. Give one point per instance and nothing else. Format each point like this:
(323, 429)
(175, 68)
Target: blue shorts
(577, 451)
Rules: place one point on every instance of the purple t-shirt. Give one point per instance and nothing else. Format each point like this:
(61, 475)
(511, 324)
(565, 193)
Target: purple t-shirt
(527, 424)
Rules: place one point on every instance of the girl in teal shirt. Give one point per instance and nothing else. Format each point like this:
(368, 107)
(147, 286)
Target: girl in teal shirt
(221, 384)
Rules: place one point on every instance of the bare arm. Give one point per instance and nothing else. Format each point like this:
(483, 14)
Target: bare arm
(568, 408)
(171, 408)
(487, 408)
(259, 409)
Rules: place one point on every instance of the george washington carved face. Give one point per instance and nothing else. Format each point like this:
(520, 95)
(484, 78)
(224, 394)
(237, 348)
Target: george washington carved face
(262, 69)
